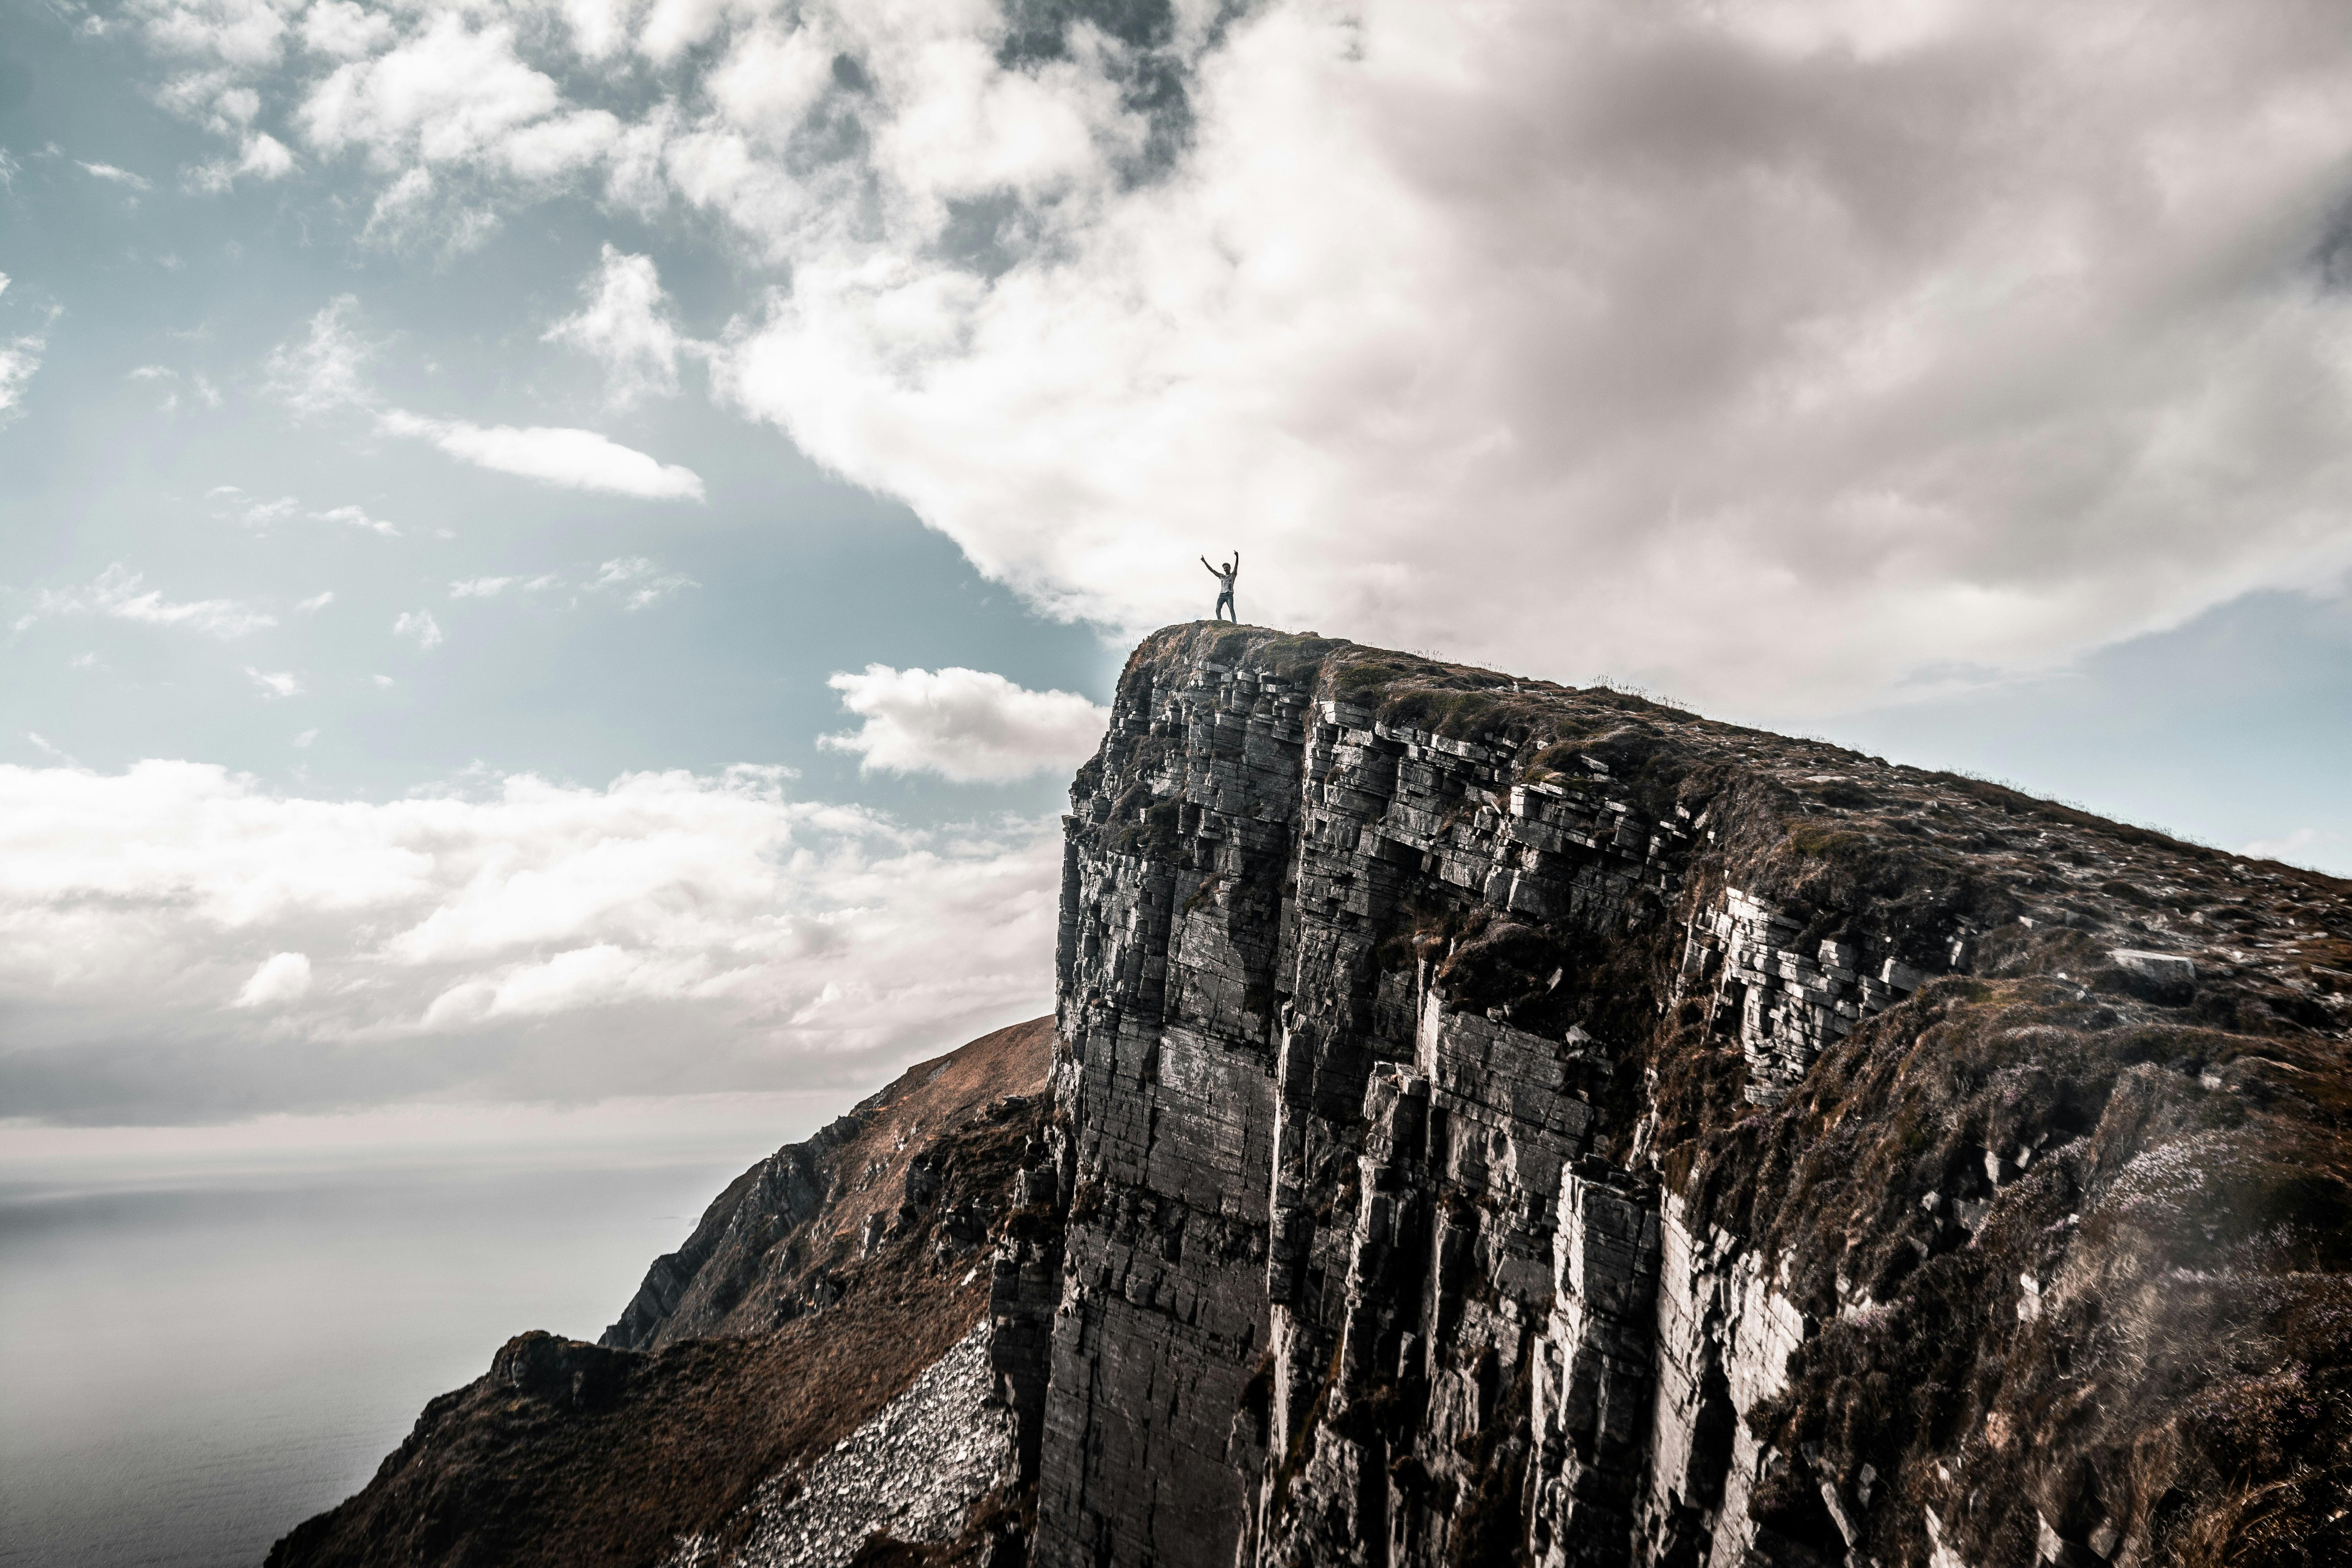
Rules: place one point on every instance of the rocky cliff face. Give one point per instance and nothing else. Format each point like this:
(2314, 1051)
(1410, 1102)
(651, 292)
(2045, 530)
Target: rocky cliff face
(1505, 1123)
(1494, 1122)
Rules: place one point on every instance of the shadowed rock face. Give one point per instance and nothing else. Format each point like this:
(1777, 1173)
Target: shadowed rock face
(1492, 1122)
(770, 1246)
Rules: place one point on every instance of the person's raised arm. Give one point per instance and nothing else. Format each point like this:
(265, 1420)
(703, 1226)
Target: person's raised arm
(1211, 570)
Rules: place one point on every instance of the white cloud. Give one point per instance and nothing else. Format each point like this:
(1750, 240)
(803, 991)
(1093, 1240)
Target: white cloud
(302, 742)
(771, 76)
(323, 372)
(478, 587)
(241, 33)
(967, 725)
(753, 931)
(578, 459)
(417, 210)
(1773, 355)
(638, 580)
(634, 181)
(19, 358)
(601, 975)
(549, 149)
(113, 175)
(281, 684)
(626, 324)
(120, 594)
(400, 207)
(357, 518)
(194, 95)
(448, 94)
(344, 31)
(418, 626)
(598, 27)
(262, 156)
(464, 229)
(317, 602)
(261, 514)
(673, 26)
(283, 977)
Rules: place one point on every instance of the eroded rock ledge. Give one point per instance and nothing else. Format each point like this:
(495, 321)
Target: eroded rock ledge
(1496, 1123)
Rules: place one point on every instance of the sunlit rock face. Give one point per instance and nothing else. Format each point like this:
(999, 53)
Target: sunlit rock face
(1488, 1123)
(1510, 1124)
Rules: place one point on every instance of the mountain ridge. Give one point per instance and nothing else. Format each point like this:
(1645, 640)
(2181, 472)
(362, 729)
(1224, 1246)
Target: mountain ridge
(569, 1453)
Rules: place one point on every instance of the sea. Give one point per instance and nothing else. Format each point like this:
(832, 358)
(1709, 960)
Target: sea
(192, 1363)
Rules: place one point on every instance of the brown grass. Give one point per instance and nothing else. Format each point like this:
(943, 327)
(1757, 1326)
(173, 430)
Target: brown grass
(576, 1456)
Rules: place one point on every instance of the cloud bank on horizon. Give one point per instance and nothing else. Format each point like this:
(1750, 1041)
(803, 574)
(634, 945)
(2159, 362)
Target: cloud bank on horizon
(1785, 354)
(181, 945)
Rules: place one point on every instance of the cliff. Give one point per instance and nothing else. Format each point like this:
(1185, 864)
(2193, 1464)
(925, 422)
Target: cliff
(1497, 1122)
(832, 1292)
(1508, 1122)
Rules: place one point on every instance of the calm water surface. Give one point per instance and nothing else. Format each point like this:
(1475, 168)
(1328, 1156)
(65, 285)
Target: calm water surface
(188, 1371)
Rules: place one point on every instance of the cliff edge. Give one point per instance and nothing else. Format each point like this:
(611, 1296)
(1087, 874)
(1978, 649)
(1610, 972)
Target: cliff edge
(1491, 1122)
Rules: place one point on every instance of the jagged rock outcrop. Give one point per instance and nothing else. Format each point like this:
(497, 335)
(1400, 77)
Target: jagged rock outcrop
(911, 1475)
(1497, 1122)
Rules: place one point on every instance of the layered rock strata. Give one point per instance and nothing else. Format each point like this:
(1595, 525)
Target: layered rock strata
(1511, 1123)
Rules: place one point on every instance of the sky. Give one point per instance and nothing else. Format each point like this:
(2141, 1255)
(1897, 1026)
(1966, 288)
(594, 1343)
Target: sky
(556, 559)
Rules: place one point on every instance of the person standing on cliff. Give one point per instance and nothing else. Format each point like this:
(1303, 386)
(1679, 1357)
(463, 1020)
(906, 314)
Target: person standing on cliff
(1224, 576)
